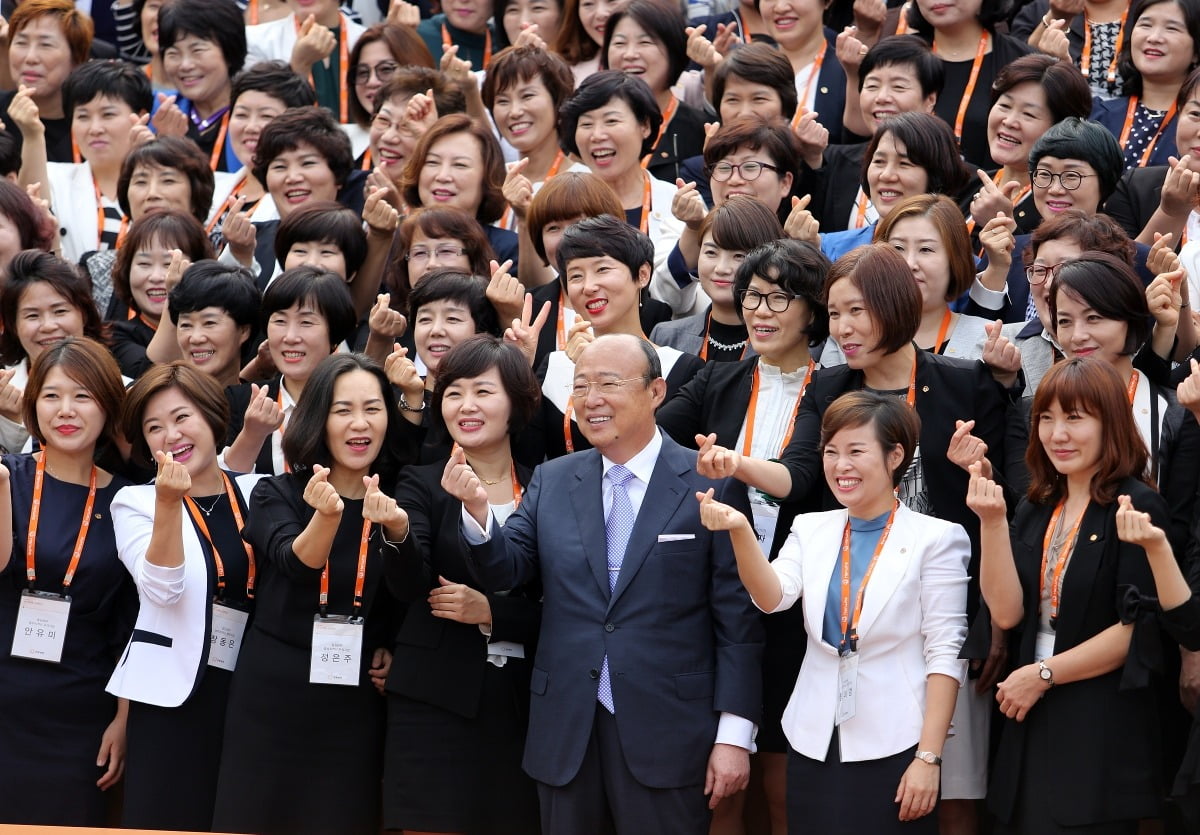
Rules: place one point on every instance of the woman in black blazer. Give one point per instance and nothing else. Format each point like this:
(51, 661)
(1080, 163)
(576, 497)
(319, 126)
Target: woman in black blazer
(458, 690)
(1056, 578)
(751, 405)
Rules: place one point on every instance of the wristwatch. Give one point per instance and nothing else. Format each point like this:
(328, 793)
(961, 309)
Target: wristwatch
(928, 757)
(1045, 673)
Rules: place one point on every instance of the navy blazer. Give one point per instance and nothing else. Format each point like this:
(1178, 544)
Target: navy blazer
(683, 640)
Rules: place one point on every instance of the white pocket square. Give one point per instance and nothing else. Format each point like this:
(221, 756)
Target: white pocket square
(675, 537)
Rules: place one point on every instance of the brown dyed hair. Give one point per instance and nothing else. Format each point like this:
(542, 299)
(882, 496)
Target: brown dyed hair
(492, 203)
(479, 354)
(1092, 386)
(741, 223)
(77, 28)
(523, 64)
(890, 295)
(947, 218)
(174, 230)
(894, 421)
(773, 137)
(1066, 91)
(402, 42)
(929, 144)
(435, 222)
(1092, 231)
(88, 363)
(573, 42)
(1111, 288)
(568, 195)
(197, 386)
(408, 81)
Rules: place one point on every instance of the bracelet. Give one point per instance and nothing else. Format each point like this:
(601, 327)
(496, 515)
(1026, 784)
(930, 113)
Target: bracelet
(404, 407)
(1047, 20)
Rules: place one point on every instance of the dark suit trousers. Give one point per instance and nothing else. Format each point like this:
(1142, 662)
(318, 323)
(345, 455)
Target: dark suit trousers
(605, 799)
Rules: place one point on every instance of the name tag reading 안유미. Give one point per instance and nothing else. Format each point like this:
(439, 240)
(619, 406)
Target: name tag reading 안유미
(336, 650)
(41, 626)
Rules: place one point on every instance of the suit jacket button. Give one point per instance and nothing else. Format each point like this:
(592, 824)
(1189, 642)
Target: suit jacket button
(608, 627)
(593, 674)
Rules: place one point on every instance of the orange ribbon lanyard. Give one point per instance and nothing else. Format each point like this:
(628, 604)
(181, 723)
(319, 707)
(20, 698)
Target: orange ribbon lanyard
(568, 441)
(912, 383)
(100, 218)
(802, 107)
(943, 329)
(984, 40)
(35, 513)
(279, 399)
(860, 217)
(343, 71)
(252, 11)
(1131, 389)
(230, 199)
(1162, 126)
(704, 344)
(147, 322)
(366, 163)
(194, 510)
(516, 485)
(750, 412)
(487, 44)
(645, 224)
(554, 166)
(359, 578)
(902, 21)
(219, 145)
(560, 339)
(668, 115)
(1085, 60)
(148, 69)
(849, 643)
(1064, 554)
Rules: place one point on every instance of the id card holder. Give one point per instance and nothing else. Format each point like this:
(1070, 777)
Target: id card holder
(1043, 646)
(336, 650)
(225, 639)
(508, 649)
(766, 518)
(41, 626)
(847, 684)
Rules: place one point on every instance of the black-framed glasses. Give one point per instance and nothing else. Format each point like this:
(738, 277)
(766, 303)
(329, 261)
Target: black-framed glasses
(608, 388)
(443, 252)
(1041, 273)
(384, 70)
(1070, 180)
(777, 302)
(750, 170)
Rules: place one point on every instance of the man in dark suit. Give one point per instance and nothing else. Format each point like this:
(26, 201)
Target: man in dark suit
(646, 681)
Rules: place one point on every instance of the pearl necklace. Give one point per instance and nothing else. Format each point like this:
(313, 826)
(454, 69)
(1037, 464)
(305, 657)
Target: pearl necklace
(721, 346)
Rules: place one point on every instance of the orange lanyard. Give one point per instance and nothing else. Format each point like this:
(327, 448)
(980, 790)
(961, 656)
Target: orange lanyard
(554, 166)
(228, 204)
(560, 338)
(100, 218)
(343, 63)
(748, 442)
(360, 577)
(645, 224)
(279, 399)
(860, 217)
(194, 510)
(668, 115)
(1085, 60)
(947, 317)
(912, 384)
(219, 145)
(704, 345)
(151, 325)
(1131, 389)
(849, 627)
(1064, 554)
(568, 441)
(487, 44)
(984, 40)
(35, 513)
(1162, 126)
(252, 10)
(802, 107)
(149, 71)
(902, 21)
(516, 485)
(366, 163)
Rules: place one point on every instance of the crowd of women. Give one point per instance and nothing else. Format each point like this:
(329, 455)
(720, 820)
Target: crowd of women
(918, 274)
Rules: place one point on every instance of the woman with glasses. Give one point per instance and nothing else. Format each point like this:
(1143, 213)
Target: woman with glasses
(379, 53)
(751, 405)
(392, 138)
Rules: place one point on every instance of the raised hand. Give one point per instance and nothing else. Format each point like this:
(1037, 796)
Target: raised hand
(1162, 257)
(461, 483)
(1164, 299)
(504, 291)
(1135, 527)
(385, 321)
(139, 130)
(320, 495)
(380, 508)
(998, 241)
(1180, 187)
(239, 233)
(381, 216)
(1000, 355)
(168, 119)
(263, 414)
(717, 516)
(528, 36)
(801, 225)
(459, 602)
(1188, 391)
(726, 38)
(700, 49)
(421, 110)
(869, 16)
(850, 50)
(965, 449)
(1053, 40)
(402, 373)
(172, 481)
(401, 13)
(11, 398)
(455, 68)
(314, 43)
(985, 497)
(812, 138)
(714, 461)
(525, 330)
(992, 200)
(687, 205)
(23, 111)
(517, 189)
(579, 337)
(178, 266)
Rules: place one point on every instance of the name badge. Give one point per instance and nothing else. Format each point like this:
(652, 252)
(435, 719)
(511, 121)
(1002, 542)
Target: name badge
(847, 683)
(41, 626)
(509, 649)
(1043, 646)
(336, 650)
(225, 640)
(766, 518)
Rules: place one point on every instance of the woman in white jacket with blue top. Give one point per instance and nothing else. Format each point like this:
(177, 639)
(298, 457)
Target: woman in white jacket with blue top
(180, 539)
(884, 599)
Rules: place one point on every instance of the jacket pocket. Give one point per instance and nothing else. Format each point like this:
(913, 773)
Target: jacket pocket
(150, 638)
(690, 686)
(539, 680)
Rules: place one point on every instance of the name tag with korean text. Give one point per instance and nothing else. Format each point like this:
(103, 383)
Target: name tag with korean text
(847, 684)
(41, 626)
(336, 650)
(225, 640)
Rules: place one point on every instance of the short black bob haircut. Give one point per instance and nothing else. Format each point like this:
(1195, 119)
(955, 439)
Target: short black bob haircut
(219, 21)
(326, 222)
(1089, 142)
(481, 353)
(799, 269)
(597, 90)
(325, 291)
(906, 50)
(117, 80)
(449, 284)
(277, 80)
(595, 237)
(305, 444)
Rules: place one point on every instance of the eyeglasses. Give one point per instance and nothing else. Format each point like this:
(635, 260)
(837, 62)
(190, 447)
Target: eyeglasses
(607, 388)
(776, 302)
(384, 70)
(1039, 273)
(445, 252)
(1070, 180)
(751, 170)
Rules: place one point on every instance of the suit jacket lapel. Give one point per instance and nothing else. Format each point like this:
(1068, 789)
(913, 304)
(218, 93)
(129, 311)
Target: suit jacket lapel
(588, 502)
(1079, 577)
(663, 496)
(889, 570)
(822, 550)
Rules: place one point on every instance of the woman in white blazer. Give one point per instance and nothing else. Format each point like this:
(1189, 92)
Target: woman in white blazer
(885, 612)
(180, 539)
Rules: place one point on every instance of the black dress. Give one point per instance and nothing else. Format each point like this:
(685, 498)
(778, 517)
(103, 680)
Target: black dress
(456, 721)
(300, 757)
(52, 716)
(185, 742)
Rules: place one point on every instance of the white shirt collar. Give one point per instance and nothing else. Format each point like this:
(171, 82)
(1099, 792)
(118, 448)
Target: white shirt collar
(641, 464)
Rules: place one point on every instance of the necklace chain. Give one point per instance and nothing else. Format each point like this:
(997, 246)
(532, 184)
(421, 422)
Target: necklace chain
(721, 346)
(208, 511)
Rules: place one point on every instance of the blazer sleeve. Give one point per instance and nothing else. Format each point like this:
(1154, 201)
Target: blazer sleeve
(276, 517)
(509, 558)
(787, 567)
(408, 573)
(944, 602)
(680, 417)
(133, 527)
(801, 455)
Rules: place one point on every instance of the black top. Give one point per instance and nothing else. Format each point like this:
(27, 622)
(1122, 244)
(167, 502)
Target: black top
(58, 133)
(129, 340)
(1136, 198)
(683, 138)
